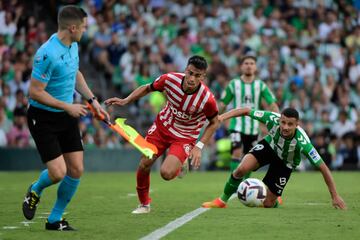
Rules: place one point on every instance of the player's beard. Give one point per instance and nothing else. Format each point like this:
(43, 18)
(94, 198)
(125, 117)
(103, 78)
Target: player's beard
(190, 89)
(248, 73)
(287, 135)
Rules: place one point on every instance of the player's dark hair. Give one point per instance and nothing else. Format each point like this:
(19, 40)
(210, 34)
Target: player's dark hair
(198, 62)
(69, 15)
(290, 113)
(242, 60)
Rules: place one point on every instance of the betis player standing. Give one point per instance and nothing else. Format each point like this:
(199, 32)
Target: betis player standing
(246, 91)
(281, 149)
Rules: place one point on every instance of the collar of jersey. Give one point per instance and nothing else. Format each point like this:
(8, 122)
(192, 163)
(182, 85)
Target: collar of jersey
(60, 42)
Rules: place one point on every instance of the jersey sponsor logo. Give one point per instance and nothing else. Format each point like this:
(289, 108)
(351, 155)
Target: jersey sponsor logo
(247, 99)
(314, 155)
(258, 114)
(180, 114)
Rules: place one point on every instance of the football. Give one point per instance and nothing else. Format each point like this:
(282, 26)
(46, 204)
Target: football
(252, 192)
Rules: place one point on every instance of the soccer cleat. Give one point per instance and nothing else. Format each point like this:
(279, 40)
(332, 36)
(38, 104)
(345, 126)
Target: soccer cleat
(184, 169)
(142, 209)
(217, 203)
(30, 203)
(61, 225)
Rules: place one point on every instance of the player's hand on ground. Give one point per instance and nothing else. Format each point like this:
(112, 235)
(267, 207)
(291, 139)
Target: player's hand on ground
(195, 157)
(116, 101)
(76, 110)
(338, 202)
(99, 111)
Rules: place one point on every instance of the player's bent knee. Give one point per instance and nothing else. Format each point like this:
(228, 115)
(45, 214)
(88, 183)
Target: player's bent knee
(145, 166)
(57, 175)
(76, 172)
(167, 175)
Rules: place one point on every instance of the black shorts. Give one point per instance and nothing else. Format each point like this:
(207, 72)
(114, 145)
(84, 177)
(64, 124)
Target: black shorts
(239, 140)
(54, 133)
(278, 173)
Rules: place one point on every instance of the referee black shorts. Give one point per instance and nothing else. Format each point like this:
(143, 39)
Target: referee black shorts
(278, 173)
(54, 133)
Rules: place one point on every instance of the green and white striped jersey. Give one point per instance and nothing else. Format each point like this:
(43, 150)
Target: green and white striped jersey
(246, 95)
(289, 150)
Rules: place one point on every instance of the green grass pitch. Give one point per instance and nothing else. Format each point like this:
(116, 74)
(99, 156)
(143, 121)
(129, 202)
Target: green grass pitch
(101, 209)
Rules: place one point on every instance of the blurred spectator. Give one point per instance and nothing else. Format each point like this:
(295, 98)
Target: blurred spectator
(18, 83)
(349, 154)
(5, 122)
(102, 41)
(19, 134)
(342, 125)
(323, 148)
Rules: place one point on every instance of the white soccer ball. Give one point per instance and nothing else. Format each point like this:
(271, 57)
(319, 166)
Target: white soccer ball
(252, 192)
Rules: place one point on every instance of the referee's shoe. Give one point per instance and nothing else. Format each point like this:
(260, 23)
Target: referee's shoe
(61, 225)
(30, 203)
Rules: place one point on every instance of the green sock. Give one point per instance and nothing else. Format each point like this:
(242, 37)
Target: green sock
(277, 204)
(233, 164)
(231, 186)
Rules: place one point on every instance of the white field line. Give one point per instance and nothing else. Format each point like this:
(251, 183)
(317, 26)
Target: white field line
(171, 226)
(10, 227)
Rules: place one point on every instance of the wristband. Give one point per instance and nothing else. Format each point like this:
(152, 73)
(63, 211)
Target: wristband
(200, 144)
(90, 100)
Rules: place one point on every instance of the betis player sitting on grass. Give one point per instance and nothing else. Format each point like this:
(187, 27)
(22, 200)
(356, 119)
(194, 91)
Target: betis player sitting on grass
(281, 149)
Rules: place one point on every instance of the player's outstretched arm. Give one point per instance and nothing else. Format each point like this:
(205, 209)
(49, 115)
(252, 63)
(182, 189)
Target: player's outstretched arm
(135, 95)
(337, 201)
(234, 113)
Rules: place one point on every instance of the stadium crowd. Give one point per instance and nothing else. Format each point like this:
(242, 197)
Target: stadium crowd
(308, 53)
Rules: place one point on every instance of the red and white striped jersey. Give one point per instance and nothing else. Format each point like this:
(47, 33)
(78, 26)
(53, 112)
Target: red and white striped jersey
(184, 114)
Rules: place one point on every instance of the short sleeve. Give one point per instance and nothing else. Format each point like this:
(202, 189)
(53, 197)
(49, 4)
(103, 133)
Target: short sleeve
(309, 151)
(159, 83)
(227, 94)
(42, 66)
(211, 108)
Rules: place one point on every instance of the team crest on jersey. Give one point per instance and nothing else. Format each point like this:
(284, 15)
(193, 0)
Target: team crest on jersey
(187, 148)
(258, 114)
(192, 109)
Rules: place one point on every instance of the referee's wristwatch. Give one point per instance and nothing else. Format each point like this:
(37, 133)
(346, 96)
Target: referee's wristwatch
(91, 100)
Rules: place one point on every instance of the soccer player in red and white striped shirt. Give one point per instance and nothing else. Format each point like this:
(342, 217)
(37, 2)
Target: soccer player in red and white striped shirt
(177, 126)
